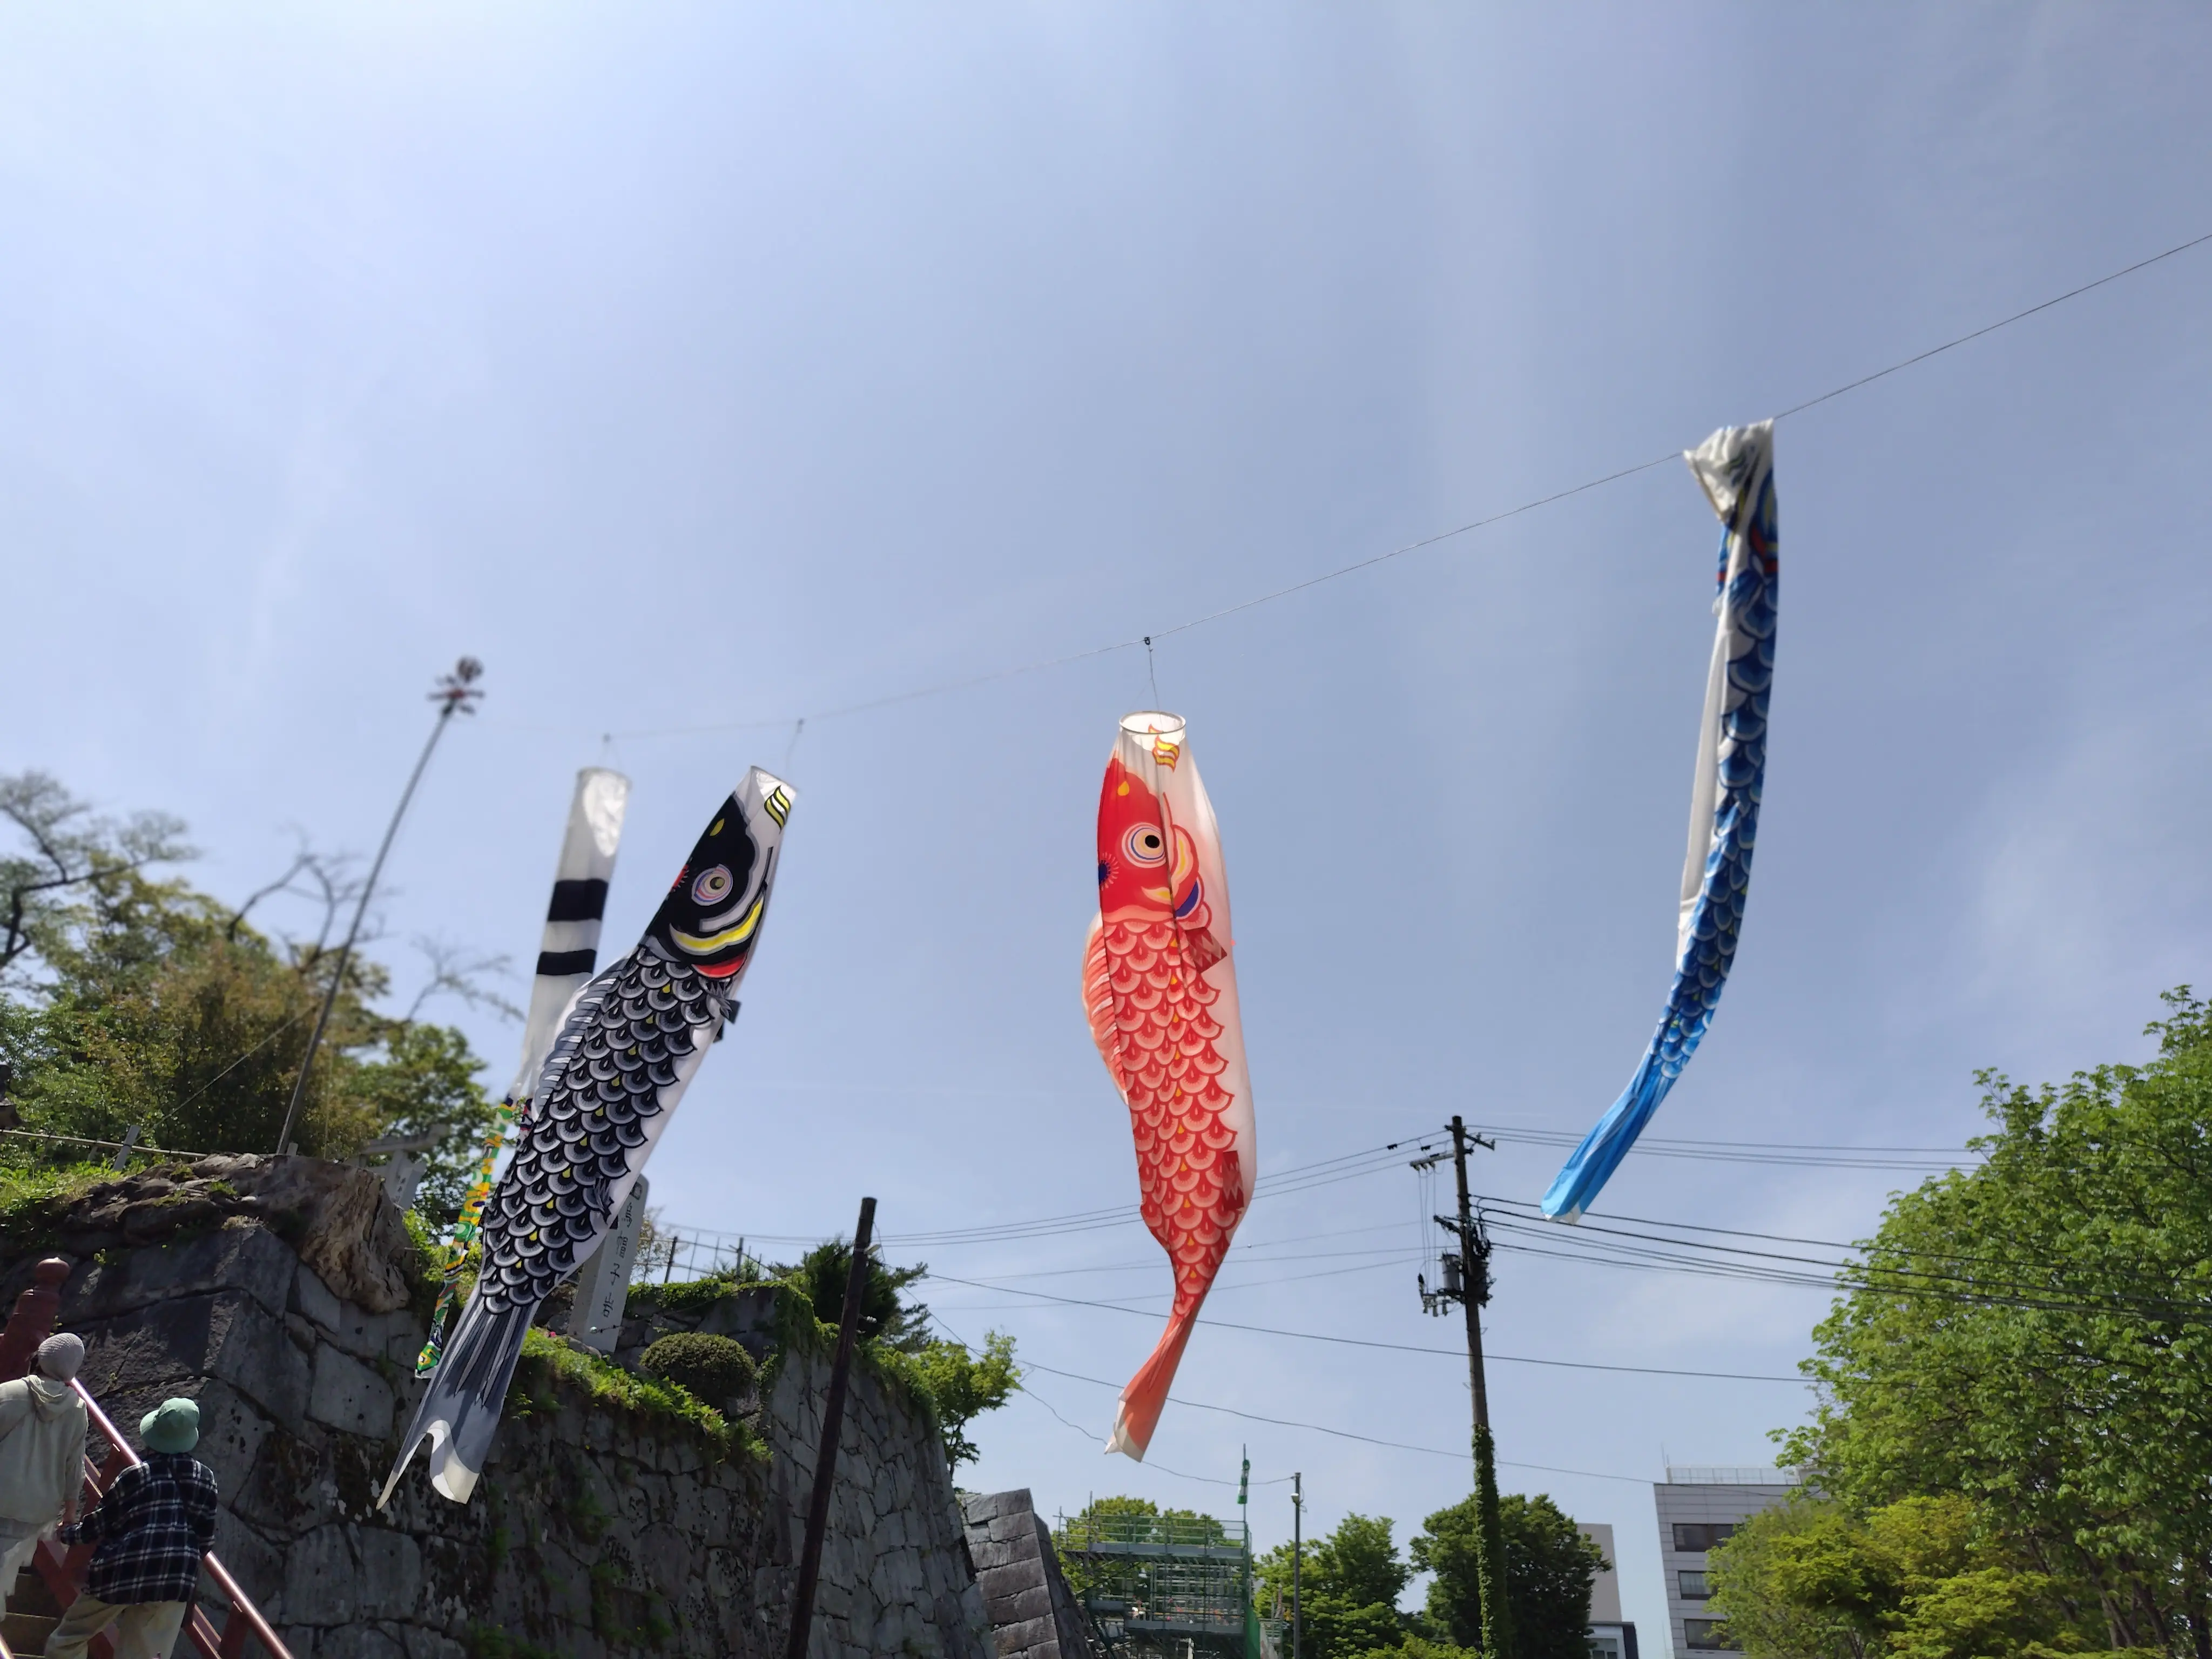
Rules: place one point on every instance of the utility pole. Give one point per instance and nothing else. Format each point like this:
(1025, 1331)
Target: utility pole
(1490, 1534)
(454, 694)
(1467, 1281)
(1298, 1552)
(833, 1422)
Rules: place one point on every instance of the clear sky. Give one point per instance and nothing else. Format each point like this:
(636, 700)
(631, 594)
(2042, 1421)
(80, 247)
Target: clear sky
(701, 366)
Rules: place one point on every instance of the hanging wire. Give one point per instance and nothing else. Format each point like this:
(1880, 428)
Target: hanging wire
(945, 687)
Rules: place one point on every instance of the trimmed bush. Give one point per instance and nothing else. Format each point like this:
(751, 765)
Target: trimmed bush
(714, 1369)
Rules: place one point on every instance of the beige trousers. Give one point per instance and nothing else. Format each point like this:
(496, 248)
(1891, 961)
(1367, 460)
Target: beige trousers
(143, 1629)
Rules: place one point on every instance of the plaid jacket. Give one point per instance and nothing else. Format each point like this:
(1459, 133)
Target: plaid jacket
(152, 1528)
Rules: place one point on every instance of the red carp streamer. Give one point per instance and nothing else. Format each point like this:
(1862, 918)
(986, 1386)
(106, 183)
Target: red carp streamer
(1160, 989)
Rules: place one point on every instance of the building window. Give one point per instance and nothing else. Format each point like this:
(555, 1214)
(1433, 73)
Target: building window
(1694, 1585)
(1704, 1633)
(1695, 1537)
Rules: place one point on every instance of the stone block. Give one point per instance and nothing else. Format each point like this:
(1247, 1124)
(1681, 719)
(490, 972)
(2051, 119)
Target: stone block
(341, 1574)
(429, 1645)
(1033, 1603)
(1022, 1636)
(250, 1558)
(132, 1363)
(232, 1430)
(360, 1642)
(394, 1336)
(248, 1260)
(347, 1395)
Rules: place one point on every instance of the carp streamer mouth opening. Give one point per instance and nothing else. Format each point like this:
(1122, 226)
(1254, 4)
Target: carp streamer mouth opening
(1154, 723)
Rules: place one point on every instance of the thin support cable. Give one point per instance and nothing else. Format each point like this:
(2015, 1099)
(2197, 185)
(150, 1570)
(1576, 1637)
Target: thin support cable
(944, 687)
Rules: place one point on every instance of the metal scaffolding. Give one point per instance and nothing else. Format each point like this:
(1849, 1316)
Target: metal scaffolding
(1166, 1587)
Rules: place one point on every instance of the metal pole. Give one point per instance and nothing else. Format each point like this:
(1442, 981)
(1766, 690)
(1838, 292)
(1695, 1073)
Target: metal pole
(1297, 1555)
(833, 1418)
(1489, 1532)
(1474, 1275)
(453, 693)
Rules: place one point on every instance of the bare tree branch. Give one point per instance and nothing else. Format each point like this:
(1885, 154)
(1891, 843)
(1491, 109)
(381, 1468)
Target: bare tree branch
(301, 860)
(455, 973)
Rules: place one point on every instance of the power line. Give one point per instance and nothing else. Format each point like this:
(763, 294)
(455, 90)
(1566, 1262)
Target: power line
(1363, 1342)
(1320, 1428)
(1161, 1468)
(1347, 1166)
(1876, 1247)
(944, 687)
(1774, 1268)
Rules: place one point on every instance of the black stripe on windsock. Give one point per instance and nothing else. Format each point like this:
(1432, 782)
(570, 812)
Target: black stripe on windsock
(557, 964)
(578, 901)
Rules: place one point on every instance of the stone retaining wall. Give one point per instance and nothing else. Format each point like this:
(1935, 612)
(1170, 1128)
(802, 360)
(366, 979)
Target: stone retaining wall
(596, 1530)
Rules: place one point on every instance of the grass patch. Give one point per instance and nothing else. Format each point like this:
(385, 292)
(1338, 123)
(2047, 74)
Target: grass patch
(548, 1362)
(691, 1295)
(34, 1197)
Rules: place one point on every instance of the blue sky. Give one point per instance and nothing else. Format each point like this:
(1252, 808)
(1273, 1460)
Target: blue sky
(713, 365)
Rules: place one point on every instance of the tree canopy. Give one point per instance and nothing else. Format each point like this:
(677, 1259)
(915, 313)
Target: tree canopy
(1549, 1568)
(133, 1002)
(886, 1319)
(1350, 1581)
(1926, 1577)
(964, 1386)
(2032, 1338)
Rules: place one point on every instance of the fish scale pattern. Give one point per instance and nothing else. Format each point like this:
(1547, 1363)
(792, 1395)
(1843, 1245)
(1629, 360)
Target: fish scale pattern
(1736, 469)
(609, 1076)
(1144, 986)
(1716, 922)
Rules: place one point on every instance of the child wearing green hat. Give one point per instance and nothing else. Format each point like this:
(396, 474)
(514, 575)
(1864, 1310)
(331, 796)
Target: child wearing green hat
(151, 1529)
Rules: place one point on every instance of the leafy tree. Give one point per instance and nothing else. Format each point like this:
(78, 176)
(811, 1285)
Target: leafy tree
(963, 1387)
(822, 1273)
(1125, 1520)
(1351, 1581)
(1549, 1568)
(134, 1002)
(1922, 1579)
(1417, 1646)
(2035, 1333)
(69, 857)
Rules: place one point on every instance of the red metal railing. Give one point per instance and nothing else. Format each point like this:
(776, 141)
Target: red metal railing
(62, 1568)
(245, 1619)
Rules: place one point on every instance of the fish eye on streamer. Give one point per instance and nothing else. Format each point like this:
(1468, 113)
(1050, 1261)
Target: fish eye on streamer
(713, 886)
(1144, 845)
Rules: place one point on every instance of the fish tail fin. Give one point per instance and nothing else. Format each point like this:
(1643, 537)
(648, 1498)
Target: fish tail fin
(1591, 1164)
(459, 1413)
(1138, 1412)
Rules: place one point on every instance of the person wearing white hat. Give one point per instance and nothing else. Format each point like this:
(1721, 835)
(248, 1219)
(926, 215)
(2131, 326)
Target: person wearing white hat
(42, 1426)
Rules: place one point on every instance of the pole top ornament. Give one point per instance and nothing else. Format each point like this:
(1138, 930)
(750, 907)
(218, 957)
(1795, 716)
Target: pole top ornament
(456, 690)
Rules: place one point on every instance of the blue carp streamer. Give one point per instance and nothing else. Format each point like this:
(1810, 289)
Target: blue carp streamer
(1735, 468)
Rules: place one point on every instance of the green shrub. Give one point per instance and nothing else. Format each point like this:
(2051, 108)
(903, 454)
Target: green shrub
(712, 1368)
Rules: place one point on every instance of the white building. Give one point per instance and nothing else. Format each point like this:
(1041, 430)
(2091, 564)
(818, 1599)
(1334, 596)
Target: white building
(1610, 1635)
(1700, 1507)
